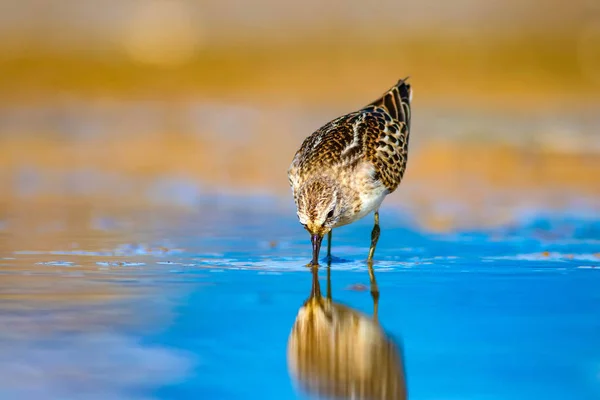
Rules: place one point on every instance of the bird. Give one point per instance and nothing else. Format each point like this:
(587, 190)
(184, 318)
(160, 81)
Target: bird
(345, 169)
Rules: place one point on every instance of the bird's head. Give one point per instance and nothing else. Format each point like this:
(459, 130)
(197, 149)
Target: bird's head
(320, 204)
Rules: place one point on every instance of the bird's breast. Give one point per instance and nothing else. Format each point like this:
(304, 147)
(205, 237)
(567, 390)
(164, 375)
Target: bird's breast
(365, 194)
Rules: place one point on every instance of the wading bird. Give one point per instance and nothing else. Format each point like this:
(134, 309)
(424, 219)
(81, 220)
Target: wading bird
(345, 169)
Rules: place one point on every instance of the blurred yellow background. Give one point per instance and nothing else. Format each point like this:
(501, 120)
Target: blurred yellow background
(100, 99)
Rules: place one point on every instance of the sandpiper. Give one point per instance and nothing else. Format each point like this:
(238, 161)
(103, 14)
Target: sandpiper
(345, 169)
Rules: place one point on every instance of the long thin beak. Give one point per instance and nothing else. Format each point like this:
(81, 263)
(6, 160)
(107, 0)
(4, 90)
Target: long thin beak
(316, 245)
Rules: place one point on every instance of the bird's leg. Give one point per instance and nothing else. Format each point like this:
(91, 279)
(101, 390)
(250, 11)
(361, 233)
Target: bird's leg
(374, 288)
(374, 291)
(329, 246)
(374, 237)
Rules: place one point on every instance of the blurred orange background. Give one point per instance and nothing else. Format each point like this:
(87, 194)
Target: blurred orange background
(100, 100)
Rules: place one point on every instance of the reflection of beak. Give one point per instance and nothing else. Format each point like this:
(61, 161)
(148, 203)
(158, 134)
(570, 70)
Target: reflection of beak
(316, 245)
(316, 287)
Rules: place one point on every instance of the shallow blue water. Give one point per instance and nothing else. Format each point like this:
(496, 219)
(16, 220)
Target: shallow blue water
(206, 301)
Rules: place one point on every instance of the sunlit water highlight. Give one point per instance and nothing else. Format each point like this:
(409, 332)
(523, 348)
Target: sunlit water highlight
(163, 303)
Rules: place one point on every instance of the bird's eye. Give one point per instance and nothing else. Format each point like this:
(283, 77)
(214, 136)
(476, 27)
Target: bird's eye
(330, 214)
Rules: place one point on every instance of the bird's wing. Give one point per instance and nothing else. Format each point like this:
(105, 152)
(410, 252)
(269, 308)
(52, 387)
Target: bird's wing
(386, 147)
(378, 133)
(389, 151)
(337, 142)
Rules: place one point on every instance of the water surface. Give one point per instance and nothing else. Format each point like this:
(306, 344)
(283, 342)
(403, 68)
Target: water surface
(149, 303)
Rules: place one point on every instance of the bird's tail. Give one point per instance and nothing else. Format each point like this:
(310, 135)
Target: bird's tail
(397, 101)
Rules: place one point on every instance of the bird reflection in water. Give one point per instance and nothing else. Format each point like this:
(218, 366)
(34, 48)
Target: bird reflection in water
(337, 352)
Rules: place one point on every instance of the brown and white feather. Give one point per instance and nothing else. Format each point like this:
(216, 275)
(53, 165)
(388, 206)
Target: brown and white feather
(365, 152)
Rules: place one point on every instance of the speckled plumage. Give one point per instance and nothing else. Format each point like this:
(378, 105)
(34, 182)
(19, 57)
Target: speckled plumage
(344, 170)
(372, 134)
